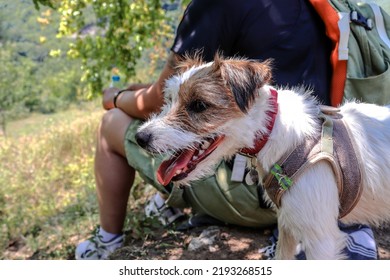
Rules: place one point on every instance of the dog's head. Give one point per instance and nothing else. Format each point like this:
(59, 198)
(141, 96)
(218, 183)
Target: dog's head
(206, 116)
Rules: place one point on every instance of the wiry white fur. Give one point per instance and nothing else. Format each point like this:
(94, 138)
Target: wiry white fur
(370, 127)
(310, 209)
(176, 137)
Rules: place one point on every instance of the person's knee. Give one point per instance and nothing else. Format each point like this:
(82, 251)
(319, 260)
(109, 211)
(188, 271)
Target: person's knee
(112, 119)
(113, 128)
(107, 119)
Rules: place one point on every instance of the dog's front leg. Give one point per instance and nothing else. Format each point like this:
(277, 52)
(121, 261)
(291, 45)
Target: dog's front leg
(286, 246)
(310, 210)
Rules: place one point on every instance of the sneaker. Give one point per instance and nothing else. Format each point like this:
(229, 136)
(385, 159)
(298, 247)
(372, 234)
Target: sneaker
(156, 207)
(95, 249)
(360, 245)
(268, 252)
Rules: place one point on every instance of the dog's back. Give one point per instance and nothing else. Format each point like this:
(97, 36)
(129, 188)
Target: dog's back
(370, 129)
(309, 210)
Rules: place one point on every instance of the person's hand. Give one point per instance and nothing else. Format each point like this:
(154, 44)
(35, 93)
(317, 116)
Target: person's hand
(108, 97)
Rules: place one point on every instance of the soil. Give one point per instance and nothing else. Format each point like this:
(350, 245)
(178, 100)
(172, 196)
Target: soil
(230, 243)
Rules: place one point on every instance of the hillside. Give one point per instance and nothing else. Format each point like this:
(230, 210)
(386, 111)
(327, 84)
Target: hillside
(40, 77)
(25, 27)
(35, 81)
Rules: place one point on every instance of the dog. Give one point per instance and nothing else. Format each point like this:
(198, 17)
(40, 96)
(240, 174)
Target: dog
(215, 110)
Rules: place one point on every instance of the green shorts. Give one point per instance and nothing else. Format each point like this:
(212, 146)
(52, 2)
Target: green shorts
(231, 202)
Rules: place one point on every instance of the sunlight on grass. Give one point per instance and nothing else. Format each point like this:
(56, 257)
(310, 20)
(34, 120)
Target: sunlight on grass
(47, 199)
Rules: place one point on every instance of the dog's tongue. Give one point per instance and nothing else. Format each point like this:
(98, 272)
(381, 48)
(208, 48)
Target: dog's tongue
(167, 169)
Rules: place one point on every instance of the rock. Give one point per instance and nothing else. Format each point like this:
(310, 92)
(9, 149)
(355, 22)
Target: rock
(206, 239)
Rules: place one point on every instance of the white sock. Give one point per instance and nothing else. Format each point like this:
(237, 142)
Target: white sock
(106, 236)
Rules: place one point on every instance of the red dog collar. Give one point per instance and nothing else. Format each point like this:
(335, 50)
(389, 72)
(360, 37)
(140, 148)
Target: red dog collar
(261, 139)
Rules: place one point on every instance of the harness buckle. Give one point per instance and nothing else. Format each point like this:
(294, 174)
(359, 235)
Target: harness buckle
(359, 19)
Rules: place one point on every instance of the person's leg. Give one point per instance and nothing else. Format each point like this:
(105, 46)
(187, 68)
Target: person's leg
(114, 176)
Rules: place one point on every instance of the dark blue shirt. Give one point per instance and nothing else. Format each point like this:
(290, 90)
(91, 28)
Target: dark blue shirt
(290, 32)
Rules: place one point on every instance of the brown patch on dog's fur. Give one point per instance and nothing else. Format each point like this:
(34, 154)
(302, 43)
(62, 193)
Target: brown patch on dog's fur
(218, 102)
(230, 86)
(189, 60)
(243, 78)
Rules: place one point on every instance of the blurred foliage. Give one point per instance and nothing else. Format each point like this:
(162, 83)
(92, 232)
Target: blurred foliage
(59, 52)
(111, 33)
(31, 80)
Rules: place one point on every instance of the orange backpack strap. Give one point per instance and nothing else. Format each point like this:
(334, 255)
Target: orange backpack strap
(330, 18)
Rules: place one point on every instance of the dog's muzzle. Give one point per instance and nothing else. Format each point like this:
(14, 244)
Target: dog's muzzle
(143, 139)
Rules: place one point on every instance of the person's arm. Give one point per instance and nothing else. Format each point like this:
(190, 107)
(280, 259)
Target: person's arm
(142, 102)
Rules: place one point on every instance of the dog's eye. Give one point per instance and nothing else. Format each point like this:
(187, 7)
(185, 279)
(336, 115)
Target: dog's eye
(197, 106)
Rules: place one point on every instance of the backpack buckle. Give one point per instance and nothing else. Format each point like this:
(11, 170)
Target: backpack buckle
(359, 19)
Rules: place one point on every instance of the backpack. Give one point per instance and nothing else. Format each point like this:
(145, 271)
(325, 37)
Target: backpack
(360, 56)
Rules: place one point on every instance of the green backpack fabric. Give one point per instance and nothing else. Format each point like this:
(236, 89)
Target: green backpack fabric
(361, 50)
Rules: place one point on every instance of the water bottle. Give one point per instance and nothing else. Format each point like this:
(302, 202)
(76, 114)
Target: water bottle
(115, 81)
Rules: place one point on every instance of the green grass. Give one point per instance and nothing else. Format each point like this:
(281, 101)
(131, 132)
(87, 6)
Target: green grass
(37, 123)
(47, 198)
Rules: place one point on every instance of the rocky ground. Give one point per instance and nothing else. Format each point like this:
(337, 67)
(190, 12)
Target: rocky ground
(215, 243)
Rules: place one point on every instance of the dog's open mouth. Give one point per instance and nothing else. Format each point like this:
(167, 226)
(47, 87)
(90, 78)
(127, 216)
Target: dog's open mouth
(184, 161)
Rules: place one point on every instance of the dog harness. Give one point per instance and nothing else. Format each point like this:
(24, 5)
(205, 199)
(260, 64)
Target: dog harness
(334, 145)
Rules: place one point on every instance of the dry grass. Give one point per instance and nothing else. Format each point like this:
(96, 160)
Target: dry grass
(47, 199)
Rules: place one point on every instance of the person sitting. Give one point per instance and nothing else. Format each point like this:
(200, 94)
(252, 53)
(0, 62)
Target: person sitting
(292, 35)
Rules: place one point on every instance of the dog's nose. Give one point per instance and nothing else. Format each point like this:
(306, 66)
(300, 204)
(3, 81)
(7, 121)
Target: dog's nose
(143, 139)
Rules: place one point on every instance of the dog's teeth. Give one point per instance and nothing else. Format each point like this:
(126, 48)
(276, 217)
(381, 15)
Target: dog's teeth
(205, 145)
(194, 157)
(200, 152)
(178, 172)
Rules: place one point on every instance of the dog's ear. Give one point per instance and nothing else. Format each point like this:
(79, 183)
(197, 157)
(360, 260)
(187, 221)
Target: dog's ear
(243, 77)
